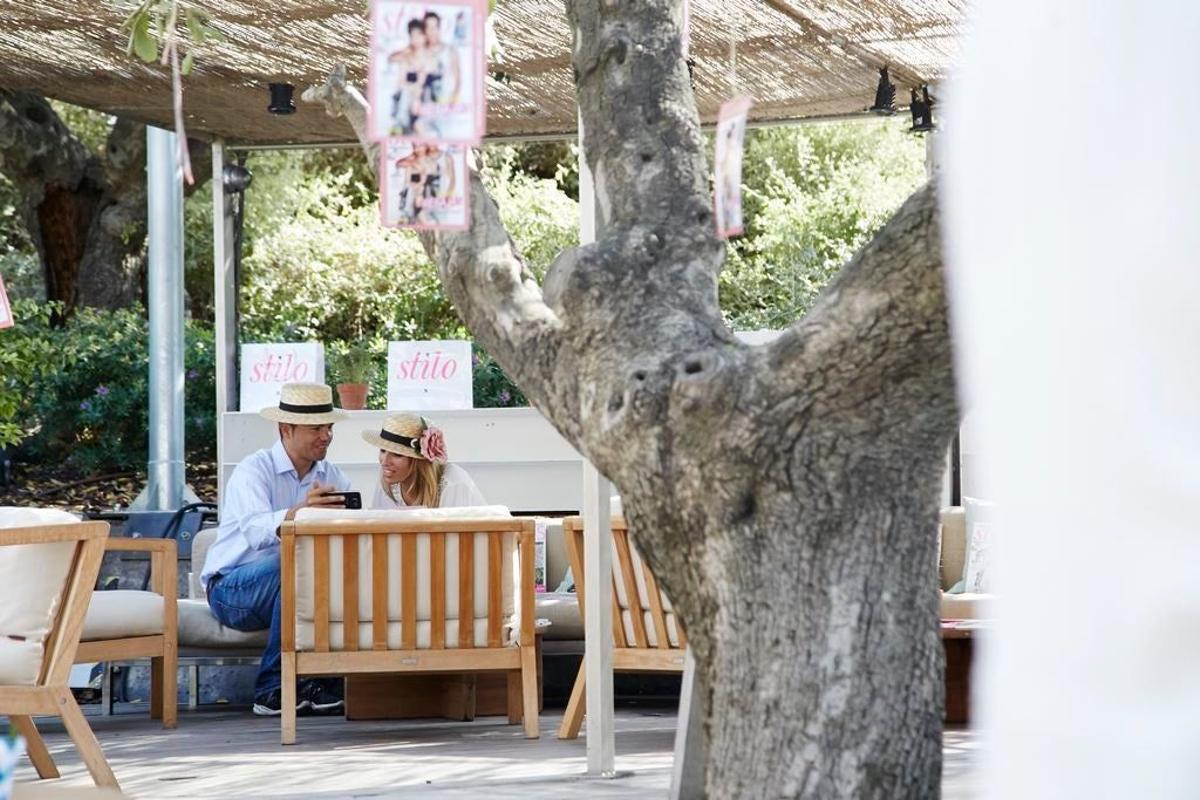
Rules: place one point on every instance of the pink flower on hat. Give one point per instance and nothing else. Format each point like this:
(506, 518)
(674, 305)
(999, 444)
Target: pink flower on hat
(433, 445)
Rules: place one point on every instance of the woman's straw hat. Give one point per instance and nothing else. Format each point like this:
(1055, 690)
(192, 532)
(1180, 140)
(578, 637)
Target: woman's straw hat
(407, 435)
(305, 404)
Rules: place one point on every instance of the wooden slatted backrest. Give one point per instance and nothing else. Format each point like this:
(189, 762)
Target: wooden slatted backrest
(477, 542)
(627, 566)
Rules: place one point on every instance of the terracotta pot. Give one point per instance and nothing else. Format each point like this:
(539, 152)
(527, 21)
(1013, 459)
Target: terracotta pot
(353, 395)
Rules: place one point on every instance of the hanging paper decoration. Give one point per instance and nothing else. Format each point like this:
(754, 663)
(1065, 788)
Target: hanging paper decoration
(6, 320)
(424, 186)
(425, 79)
(731, 135)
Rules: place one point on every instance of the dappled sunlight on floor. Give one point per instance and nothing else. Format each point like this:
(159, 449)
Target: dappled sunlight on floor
(232, 754)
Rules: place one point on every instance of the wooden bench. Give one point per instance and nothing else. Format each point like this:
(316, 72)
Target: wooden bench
(454, 593)
(647, 635)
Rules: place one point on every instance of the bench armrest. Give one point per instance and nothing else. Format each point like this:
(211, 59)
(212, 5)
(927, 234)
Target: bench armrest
(163, 560)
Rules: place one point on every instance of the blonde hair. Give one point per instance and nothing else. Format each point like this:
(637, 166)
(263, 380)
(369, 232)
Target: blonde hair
(427, 485)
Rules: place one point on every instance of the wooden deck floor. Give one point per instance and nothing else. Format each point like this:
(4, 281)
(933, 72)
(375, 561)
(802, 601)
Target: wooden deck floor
(232, 754)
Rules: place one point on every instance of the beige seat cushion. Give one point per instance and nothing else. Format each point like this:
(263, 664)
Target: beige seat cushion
(562, 609)
(33, 577)
(967, 606)
(199, 628)
(123, 613)
(305, 571)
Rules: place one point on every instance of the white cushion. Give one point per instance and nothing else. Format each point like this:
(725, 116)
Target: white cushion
(967, 606)
(34, 577)
(651, 632)
(952, 535)
(123, 613)
(306, 635)
(20, 662)
(200, 544)
(199, 628)
(981, 528)
(639, 573)
(305, 570)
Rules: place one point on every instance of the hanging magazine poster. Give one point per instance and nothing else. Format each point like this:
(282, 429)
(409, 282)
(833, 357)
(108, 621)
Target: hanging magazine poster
(426, 71)
(731, 135)
(424, 186)
(6, 319)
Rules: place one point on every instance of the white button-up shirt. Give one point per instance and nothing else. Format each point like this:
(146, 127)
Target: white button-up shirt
(257, 496)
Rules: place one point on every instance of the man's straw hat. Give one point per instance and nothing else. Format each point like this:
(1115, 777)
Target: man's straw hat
(305, 404)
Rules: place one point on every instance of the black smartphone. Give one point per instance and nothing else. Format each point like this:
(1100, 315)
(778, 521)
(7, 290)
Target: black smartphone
(350, 499)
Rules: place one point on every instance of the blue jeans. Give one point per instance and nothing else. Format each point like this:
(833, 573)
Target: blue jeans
(247, 598)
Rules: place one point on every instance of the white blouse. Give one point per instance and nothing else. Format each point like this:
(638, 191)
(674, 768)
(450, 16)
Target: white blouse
(458, 490)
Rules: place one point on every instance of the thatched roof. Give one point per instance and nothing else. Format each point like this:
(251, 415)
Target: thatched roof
(798, 59)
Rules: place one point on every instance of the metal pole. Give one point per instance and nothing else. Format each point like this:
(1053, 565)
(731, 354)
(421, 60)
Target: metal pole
(597, 528)
(224, 303)
(165, 291)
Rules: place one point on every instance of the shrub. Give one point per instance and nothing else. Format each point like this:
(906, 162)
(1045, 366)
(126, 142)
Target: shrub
(83, 388)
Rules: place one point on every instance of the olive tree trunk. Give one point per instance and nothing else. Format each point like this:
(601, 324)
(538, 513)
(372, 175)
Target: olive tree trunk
(85, 214)
(785, 495)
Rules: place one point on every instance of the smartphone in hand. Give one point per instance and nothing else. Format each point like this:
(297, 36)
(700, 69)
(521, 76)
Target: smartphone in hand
(349, 499)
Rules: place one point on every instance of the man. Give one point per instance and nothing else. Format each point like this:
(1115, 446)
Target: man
(447, 62)
(241, 570)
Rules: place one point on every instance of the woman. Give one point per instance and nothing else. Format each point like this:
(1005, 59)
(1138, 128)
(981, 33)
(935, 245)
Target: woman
(413, 472)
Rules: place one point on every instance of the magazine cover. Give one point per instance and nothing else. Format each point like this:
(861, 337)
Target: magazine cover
(6, 319)
(731, 136)
(424, 186)
(425, 76)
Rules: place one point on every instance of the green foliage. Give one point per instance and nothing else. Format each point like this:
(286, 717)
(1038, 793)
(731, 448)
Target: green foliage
(153, 22)
(542, 219)
(353, 362)
(78, 393)
(491, 387)
(813, 195)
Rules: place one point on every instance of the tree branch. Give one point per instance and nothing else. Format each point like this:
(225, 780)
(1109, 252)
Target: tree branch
(484, 275)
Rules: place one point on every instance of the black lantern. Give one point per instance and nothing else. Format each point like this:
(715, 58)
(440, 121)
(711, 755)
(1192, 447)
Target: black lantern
(236, 178)
(281, 99)
(885, 94)
(922, 111)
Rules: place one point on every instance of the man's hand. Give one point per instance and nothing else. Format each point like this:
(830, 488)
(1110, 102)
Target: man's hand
(317, 498)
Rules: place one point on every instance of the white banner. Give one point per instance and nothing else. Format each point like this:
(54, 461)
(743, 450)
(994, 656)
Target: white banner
(428, 376)
(267, 367)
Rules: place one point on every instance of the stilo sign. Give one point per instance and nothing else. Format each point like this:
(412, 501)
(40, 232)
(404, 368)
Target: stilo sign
(427, 376)
(267, 367)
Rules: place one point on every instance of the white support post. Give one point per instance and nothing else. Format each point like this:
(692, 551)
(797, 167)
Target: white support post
(224, 301)
(164, 227)
(597, 526)
(598, 621)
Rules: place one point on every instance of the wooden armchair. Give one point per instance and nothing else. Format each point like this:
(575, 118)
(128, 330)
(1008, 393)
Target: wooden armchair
(647, 635)
(47, 573)
(125, 625)
(447, 590)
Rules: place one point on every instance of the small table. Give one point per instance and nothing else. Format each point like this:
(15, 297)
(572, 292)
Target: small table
(958, 636)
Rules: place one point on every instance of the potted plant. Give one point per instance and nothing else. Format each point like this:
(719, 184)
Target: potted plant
(353, 365)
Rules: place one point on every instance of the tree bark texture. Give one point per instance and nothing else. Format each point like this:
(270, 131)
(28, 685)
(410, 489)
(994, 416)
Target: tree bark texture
(85, 215)
(785, 495)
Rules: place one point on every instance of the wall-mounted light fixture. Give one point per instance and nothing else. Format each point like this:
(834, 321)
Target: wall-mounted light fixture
(885, 94)
(281, 99)
(922, 111)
